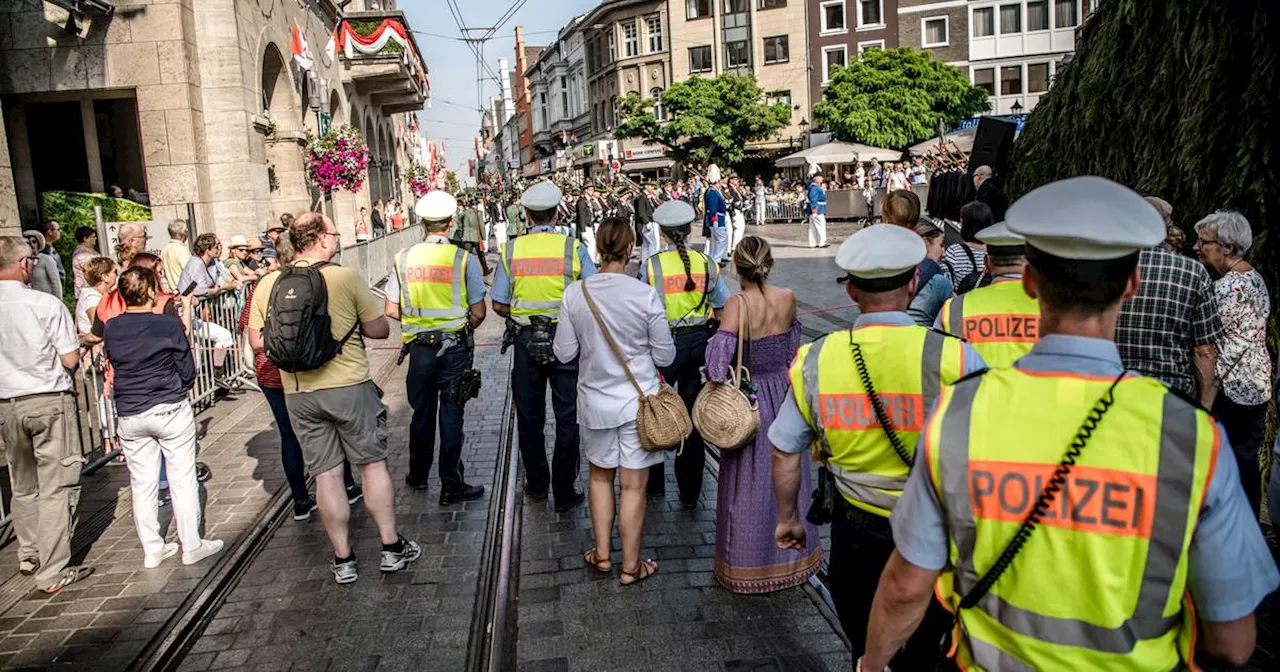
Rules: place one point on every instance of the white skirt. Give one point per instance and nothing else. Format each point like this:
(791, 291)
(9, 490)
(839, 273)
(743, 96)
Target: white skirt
(617, 447)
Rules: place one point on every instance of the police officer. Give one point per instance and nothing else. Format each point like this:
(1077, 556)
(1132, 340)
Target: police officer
(527, 289)
(1149, 505)
(437, 293)
(692, 292)
(863, 394)
(1000, 320)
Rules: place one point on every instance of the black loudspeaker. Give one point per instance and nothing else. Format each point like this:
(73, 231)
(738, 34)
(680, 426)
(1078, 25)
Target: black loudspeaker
(992, 145)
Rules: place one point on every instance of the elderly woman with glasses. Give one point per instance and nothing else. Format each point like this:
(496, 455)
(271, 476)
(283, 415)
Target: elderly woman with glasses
(1244, 366)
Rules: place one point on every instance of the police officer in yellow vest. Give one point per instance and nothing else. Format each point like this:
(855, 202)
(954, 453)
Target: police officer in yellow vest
(693, 292)
(861, 395)
(1000, 321)
(437, 293)
(1147, 518)
(528, 286)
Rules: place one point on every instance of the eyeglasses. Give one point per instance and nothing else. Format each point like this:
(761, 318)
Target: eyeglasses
(1203, 242)
(331, 233)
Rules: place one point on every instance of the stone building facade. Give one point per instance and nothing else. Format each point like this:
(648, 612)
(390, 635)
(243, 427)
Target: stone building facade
(763, 38)
(202, 105)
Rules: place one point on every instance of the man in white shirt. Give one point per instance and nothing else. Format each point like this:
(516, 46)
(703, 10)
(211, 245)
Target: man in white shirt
(175, 255)
(37, 416)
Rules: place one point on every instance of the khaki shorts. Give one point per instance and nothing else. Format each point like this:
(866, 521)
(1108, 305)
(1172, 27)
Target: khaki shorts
(343, 422)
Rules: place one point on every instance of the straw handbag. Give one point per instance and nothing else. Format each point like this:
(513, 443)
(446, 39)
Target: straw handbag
(724, 413)
(662, 421)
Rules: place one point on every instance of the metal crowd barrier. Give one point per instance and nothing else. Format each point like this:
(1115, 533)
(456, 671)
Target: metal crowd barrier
(783, 211)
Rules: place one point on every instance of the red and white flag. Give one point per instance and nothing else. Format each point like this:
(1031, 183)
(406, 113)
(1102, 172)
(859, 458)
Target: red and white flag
(301, 52)
(331, 47)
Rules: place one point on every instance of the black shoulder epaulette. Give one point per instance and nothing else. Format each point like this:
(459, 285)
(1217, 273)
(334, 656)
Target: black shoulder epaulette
(948, 334)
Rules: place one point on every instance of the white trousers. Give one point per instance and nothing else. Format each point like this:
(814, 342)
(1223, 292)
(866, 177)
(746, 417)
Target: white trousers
(760, 211)
(718, 243)
(739, 230)
(649, 245)
(168, 430)
(500, 234)
(817, 230)
(589, 239)
(216, 334)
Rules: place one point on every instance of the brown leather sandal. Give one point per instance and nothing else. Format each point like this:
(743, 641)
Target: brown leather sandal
(594, 561)
(647, 569)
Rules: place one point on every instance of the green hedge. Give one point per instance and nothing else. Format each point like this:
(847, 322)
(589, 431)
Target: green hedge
(73, 210)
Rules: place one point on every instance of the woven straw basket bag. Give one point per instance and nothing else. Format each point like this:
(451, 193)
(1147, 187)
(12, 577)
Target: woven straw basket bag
(724, 415)
(662, 421)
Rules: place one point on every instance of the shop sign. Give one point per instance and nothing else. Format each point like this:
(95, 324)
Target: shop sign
(645, 152)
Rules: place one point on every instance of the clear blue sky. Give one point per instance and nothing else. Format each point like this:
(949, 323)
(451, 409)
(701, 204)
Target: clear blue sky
(453, 116)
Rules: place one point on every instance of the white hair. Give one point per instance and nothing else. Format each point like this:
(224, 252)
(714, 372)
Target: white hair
(984, 171)
(13, 249)
(131, 230)
(178, 230)
(1231, 228)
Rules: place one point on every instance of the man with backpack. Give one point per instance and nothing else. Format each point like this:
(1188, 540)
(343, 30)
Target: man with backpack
(311, 318)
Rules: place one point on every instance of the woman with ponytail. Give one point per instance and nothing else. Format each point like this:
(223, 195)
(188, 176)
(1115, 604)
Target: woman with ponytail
(747, 560)
(692, 293)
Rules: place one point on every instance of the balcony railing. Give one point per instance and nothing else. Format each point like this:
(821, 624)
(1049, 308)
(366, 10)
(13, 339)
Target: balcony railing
(382, 59)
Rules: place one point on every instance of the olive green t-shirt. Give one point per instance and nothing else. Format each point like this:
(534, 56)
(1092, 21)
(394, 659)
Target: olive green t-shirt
(349, 300)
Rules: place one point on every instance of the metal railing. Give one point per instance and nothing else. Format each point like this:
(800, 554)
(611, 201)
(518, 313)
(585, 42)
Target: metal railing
(784, 211)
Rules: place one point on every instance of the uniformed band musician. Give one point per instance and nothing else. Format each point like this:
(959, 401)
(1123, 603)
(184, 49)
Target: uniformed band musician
(528, 287)
(437, 292)
(1150, 518)
(831, 403)
(1000, 321)
(692, 292)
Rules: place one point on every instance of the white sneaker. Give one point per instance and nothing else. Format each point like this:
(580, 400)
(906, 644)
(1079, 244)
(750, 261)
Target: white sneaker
(206, 548)
(153, 560)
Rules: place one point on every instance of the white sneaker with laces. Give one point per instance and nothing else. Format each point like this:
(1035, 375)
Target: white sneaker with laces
(344, 572)
(153, 560)
(206, 548)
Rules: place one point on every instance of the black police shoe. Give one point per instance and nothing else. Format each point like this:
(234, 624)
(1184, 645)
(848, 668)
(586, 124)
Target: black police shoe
(465, 494)
(570, 502)
(416, 484)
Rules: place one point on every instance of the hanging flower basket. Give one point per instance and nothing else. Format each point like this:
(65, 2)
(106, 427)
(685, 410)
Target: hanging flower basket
(419, 180)
(337, 160)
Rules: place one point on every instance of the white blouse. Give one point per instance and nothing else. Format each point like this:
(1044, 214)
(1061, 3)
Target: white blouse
(638, 323)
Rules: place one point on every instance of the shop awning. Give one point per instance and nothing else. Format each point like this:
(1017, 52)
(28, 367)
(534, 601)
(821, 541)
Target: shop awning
(838, 152)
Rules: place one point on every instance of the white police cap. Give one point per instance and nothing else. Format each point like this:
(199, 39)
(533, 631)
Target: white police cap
(1086, 218)
(999, 235)
(543, 195)
(881, 252)
(436, 206)
(673, 214)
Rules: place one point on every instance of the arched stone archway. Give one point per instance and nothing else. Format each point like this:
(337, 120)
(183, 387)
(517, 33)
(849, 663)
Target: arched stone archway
(286, 174)
(388, 185)
(375, 177)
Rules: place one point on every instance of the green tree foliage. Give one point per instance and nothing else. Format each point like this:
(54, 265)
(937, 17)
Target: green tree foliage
(707, 119)
(895, 97)
(1174, 99)
(73, 210)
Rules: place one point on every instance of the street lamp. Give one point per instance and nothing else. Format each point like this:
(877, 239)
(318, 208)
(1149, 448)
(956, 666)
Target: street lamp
(804, 129)
(1017, 107)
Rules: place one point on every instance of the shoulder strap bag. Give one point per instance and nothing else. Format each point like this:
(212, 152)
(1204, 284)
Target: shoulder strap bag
(725, 413)
(662, 421)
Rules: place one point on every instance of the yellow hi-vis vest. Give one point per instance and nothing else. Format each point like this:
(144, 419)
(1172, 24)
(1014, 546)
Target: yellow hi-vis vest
(1000, 321)
(433, 289)
(540, 266)
(666, 274)
(908, 366)
(1100, 583)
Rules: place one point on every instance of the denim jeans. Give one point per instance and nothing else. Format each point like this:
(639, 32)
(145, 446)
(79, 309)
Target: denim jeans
(430, 372)
(290, 450)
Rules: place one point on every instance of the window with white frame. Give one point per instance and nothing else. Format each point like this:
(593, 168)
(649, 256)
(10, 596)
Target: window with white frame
(700, 59)
(1011, 80)
(935, 31)
(564, 96)
(542, 109)
(1037, 77)
(867, 46)
(1065, 14)
(631, 38)
(613, 48)
(832, 16)
(985, 79)
(778, 98)
(1010, 19)
(984, 22)
(776, 49)
(770, 4)
(658, 113)
(737, 54)
(832, 58)
(612, 112)
(697, 9)
(870, 13)
(1037, 15)
(654, 25)
(736, 6)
